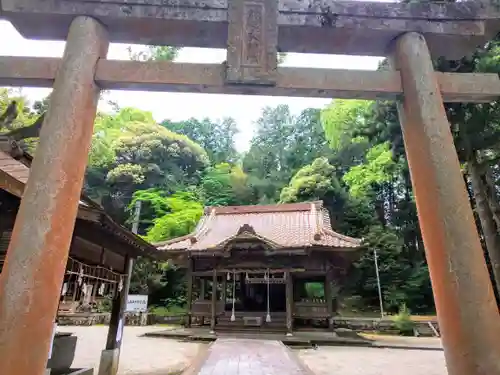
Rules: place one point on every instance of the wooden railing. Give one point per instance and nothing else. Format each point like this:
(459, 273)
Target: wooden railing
(204, 308)
(310, 309)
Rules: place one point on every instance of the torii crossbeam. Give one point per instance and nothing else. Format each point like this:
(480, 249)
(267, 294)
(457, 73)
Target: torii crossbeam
(252, 31)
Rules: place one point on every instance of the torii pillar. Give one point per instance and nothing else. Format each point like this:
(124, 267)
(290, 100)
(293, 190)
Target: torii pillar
(467, 311)
(36, 259)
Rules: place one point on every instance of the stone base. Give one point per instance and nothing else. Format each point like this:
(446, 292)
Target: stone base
(63, 352)
(73, 371)
(109, 362)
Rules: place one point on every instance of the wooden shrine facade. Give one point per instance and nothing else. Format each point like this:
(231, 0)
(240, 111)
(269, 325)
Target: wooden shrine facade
(410, 34)
(257, 261)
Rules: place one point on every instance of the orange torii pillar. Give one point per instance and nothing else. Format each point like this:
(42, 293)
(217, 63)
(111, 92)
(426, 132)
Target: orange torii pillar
(36, 259)
(467, 311)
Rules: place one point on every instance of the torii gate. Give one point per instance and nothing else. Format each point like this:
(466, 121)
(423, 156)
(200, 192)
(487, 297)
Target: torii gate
(252, 31)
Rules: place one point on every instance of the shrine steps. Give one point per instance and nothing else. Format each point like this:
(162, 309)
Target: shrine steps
(299, 340)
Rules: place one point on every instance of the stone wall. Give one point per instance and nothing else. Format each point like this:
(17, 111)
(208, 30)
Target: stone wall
(90, 319)
(386, 326)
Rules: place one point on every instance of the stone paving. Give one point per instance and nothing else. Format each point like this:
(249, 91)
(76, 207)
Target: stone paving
(250, 357)
(161, 356)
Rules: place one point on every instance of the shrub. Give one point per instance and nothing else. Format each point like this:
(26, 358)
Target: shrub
(403, 321)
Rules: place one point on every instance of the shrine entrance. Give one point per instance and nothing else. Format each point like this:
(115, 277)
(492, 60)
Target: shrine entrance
(260, 293)
(252, 31)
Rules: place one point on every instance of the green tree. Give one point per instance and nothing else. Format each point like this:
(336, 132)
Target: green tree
(175, 215)
(131, 152)
(216, 137)
(163, 216)
(18, 121)
(378, 170)
(154, 53)
(343, 120)
(283, 143)
(226, 185)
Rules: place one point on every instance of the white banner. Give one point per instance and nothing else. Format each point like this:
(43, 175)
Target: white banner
(137, 303)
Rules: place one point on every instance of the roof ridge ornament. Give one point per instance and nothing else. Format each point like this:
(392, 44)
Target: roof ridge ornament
(203, 229)
(317, 227)
(246, 229)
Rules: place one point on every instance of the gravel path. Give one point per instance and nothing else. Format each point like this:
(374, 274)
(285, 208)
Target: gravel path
(372, 361)
(139, 356)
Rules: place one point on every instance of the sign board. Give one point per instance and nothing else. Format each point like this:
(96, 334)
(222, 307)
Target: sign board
(137, 303)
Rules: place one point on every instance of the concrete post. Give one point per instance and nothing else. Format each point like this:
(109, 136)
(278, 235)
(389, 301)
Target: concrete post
(467, 311)
(110, 356)
(36, 258)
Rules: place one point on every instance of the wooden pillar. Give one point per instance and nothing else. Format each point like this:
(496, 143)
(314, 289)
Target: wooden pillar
(189, 292)
(38, 251)
(202, 296)
(329, 297)
(289, 303)
(466, 308)
(110, 356)
(214, 300)
(224, 289)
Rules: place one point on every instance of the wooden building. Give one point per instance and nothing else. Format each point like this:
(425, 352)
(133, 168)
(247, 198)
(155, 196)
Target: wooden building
(98, 266)
(250, 266)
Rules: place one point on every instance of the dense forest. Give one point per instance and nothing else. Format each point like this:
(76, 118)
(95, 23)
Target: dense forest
(349, 154)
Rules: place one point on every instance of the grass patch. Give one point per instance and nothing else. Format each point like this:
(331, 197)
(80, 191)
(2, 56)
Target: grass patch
(167, 311)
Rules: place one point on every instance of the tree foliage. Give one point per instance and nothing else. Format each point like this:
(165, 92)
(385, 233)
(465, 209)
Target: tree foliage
(350, 155)
(283, 144)
(216, 137)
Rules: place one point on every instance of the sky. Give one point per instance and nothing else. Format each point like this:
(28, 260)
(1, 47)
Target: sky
(180, 106)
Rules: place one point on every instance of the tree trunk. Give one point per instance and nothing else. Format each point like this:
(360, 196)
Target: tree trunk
(488, 224)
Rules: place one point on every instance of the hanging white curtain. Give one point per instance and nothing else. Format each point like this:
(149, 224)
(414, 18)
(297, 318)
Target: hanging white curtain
(233, 316)
(268, 315)
(64, 289)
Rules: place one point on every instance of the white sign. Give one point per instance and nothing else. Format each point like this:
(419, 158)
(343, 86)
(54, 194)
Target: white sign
(119, 333)
(137, 303)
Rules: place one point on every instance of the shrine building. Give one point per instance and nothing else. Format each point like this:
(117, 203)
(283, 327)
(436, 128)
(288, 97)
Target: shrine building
(251, 267)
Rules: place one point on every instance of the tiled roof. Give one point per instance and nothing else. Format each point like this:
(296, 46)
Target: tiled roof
(296, 225)
(18, 170)
(13, 167)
